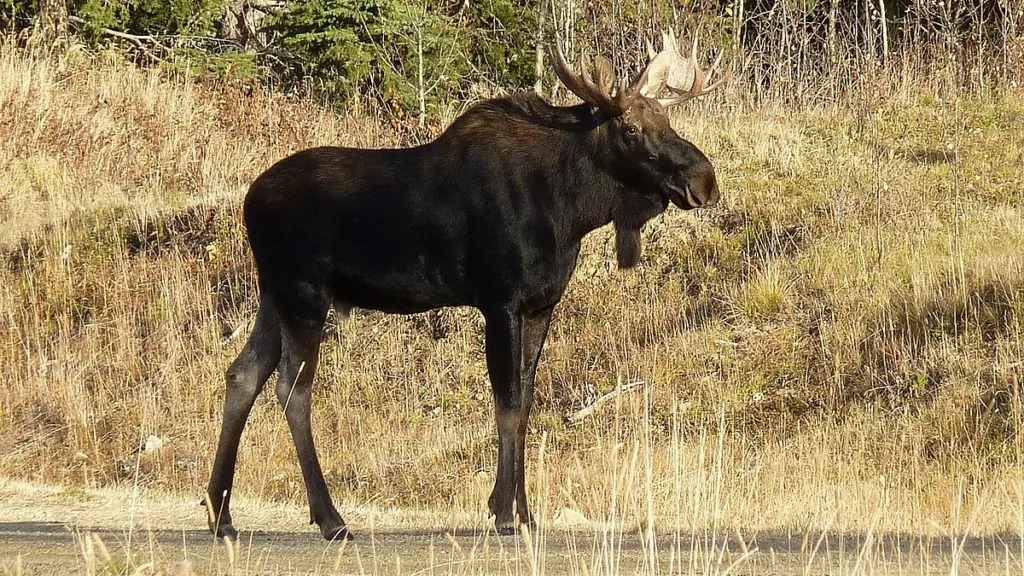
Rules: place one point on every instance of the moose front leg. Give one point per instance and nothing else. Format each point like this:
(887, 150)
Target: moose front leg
(513, 342)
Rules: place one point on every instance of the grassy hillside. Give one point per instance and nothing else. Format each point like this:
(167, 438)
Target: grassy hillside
(838, 345)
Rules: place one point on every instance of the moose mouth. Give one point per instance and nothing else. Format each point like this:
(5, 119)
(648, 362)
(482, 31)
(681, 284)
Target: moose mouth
(682, 197)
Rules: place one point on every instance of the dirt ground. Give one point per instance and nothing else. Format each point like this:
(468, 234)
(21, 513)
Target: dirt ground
(48, 530)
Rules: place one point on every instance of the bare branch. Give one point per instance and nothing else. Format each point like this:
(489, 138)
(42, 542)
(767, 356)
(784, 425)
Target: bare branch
(579, 416)
(139, 40)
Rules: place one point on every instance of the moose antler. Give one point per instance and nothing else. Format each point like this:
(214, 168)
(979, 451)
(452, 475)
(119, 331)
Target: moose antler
(599, 94)
(683, 77)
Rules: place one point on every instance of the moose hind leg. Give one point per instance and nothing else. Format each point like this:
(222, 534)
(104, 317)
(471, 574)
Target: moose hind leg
(300, 348)
(245, 379)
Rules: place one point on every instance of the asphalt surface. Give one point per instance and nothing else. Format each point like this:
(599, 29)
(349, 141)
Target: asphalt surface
(55, 531)
(53, 547)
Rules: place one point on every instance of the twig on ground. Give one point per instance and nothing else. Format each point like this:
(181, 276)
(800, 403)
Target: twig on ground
(578, 417)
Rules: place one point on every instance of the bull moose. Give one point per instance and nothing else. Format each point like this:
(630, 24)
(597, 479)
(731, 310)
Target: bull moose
(488, 215)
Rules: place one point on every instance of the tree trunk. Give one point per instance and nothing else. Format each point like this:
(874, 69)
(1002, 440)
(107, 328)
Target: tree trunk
(833, 42)
(883, 22)
(233, 25)
(243, 19)
(538, 86)
(869, 34)
(51, 24)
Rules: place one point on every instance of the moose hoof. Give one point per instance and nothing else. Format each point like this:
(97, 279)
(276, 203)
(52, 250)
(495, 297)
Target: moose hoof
(509, 527)
(337, 534)
(226, 531)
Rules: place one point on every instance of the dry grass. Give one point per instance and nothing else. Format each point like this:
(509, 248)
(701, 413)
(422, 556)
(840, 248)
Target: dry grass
(838, 347)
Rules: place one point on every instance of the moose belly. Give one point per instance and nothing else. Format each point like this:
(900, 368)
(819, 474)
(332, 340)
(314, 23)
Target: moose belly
(398, 290)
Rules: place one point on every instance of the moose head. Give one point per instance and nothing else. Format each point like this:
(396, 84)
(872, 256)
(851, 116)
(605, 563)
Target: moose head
(655, 164)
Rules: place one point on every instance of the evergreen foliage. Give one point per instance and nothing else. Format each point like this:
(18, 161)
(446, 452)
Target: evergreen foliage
(415, 54)
(408, 48)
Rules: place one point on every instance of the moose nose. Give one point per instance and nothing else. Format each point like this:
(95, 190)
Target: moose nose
(713, 196)
(704, 187)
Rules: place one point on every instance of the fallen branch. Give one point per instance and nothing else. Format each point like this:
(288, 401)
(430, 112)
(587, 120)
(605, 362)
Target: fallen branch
(578, 417)
(139, 40)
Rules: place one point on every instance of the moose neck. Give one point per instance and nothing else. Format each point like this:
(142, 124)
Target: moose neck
(589, 188)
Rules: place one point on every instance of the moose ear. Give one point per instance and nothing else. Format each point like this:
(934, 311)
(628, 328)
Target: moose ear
(627, 247)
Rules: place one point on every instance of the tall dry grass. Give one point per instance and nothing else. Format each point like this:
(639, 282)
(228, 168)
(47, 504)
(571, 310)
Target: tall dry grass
(839, 345)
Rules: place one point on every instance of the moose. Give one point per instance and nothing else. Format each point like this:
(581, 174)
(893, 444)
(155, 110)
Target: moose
(488, 215)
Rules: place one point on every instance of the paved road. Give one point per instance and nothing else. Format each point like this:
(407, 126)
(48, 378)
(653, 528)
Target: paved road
(51, 547)
(53, 531)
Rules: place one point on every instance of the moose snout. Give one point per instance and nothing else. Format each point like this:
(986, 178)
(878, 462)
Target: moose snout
(713, 196)
(698, 189)
(702, 187)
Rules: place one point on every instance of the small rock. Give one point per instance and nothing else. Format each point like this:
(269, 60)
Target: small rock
(567, 517)
(153, 443)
